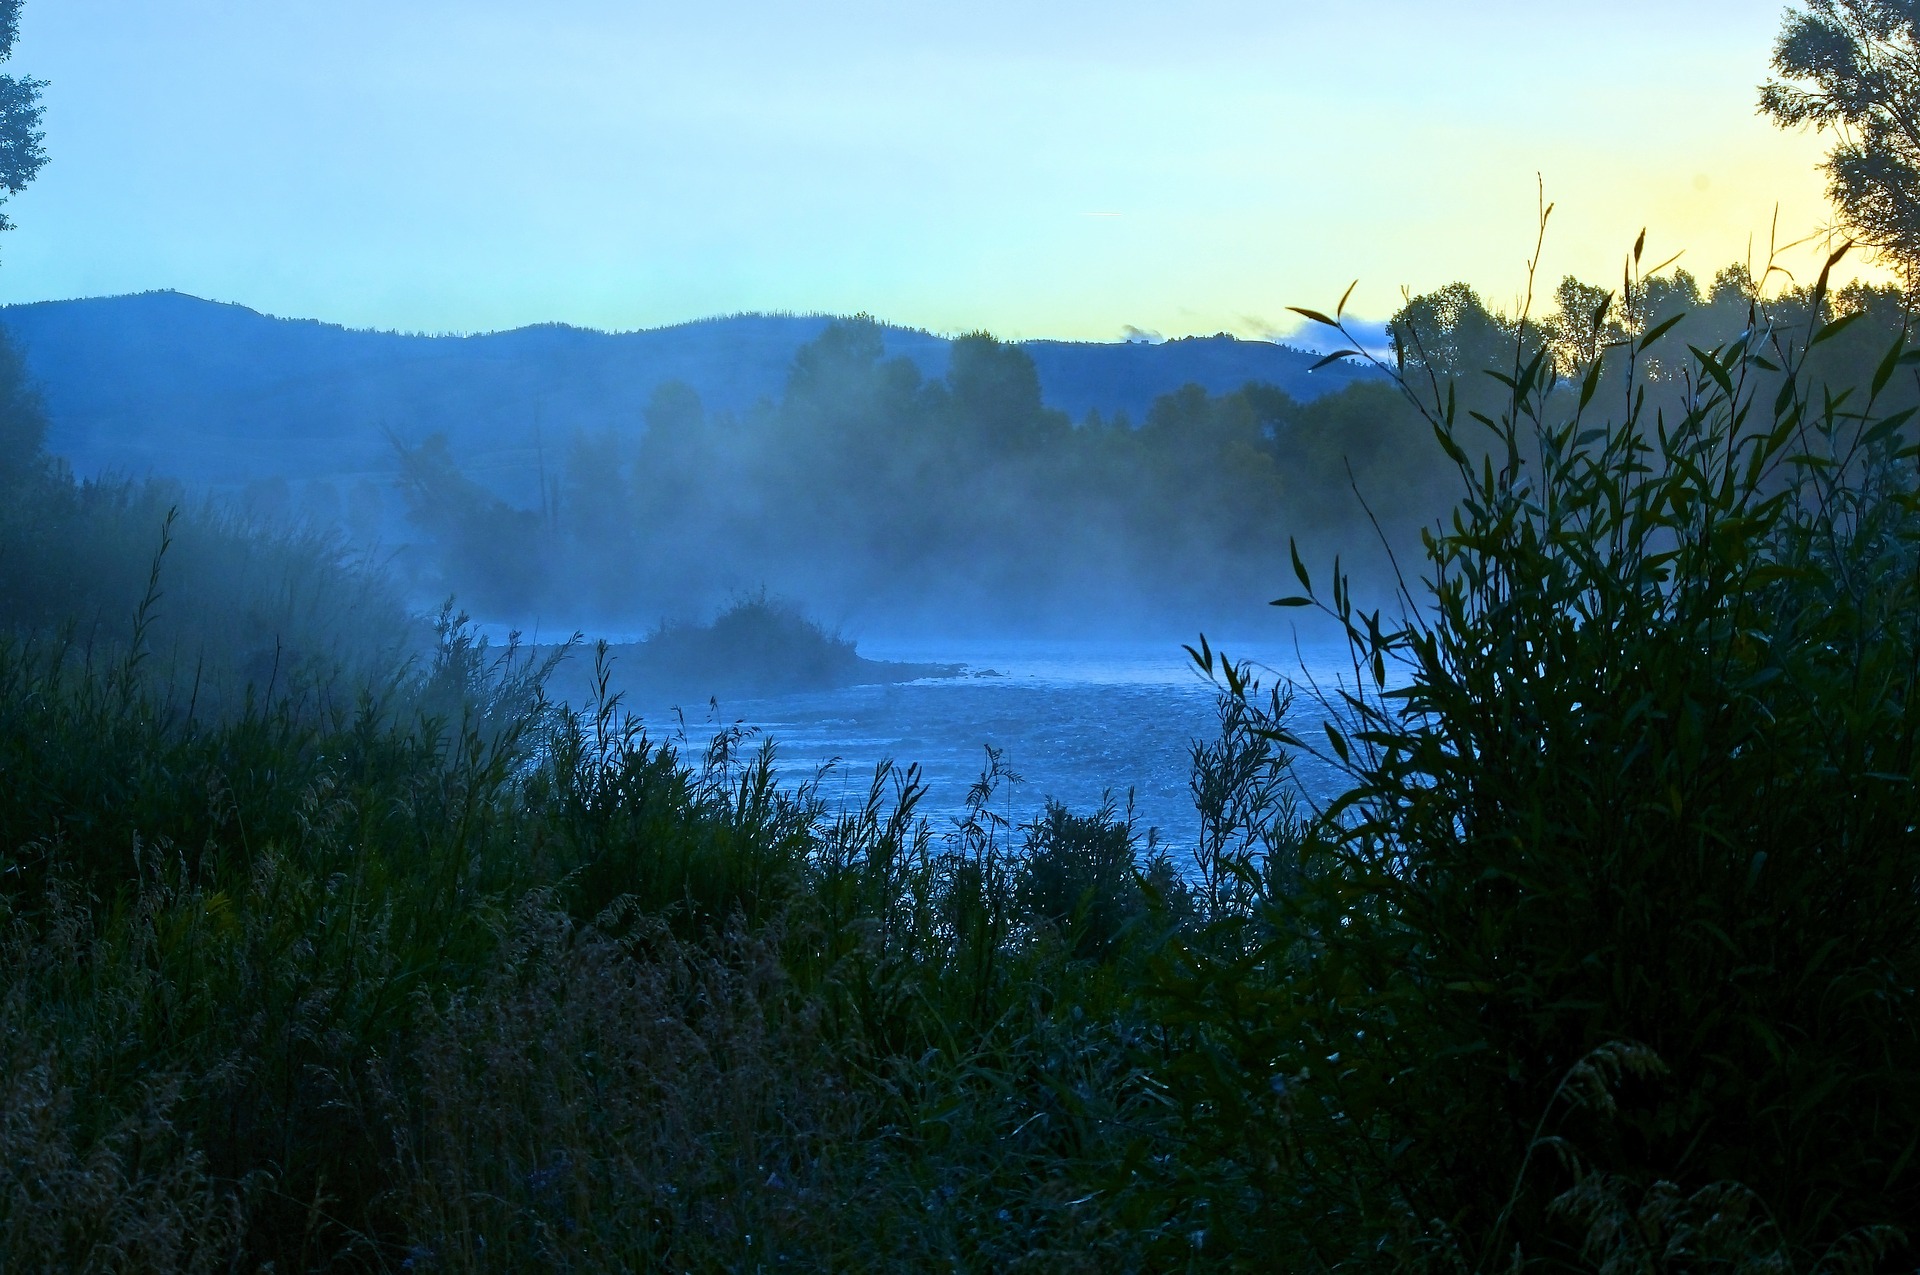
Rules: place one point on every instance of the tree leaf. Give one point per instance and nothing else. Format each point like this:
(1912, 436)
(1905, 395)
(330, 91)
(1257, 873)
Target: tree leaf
(1659, 330)
(1590, 384)
(1884, 373)
(1712, 368)
(1335, 357)
(1831, 330)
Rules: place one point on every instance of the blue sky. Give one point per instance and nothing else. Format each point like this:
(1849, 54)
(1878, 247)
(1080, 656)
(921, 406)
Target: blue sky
(1035, 168)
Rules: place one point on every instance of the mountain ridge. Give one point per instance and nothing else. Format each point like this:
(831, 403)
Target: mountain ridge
(219, 394)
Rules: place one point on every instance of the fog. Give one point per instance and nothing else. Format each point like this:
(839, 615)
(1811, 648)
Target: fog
(883, 480)
(883, 498)
(887, 484)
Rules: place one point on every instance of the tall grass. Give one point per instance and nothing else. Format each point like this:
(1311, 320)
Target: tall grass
(236, 605)
(461, 978)
(1606, 955)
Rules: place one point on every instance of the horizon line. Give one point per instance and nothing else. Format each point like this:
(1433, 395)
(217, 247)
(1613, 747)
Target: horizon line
(1287, 342)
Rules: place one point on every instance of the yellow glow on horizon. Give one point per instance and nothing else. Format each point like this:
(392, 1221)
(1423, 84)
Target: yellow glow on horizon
(1037, 170)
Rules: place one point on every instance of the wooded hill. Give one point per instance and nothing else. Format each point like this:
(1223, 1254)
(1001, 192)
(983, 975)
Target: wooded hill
(219, 395)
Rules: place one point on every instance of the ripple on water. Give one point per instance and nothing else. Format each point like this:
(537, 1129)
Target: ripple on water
(1074, 721)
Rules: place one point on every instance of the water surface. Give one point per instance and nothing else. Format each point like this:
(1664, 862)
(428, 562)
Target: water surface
(1078, 722)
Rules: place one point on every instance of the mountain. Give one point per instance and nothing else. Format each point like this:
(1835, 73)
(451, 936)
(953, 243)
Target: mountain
(219, 395)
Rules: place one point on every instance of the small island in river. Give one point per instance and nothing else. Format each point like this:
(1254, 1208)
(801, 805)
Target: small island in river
(758, 646)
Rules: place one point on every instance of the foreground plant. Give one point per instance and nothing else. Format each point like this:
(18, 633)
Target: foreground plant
(1616, 926)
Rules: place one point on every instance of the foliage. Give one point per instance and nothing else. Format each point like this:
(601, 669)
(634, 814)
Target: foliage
(1606, 955)
(514, 986)
(1079, 878)
(209, 607)
(1853, 66)
(23, 423)
(21, 155)
(757, 644)
(1603, 958)
(872, 491)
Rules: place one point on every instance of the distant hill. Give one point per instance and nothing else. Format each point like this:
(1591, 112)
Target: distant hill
(218, 395)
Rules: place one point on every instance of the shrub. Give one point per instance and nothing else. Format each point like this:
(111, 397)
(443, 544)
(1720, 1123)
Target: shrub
(1619, 911)
(1079, 877)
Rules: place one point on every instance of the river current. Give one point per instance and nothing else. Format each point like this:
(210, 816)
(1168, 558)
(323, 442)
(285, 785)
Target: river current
(1076, 722)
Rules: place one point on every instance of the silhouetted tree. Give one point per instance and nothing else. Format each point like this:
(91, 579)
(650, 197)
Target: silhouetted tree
(996, 394)
(1451, 333)
(596, 500)
(1581, 326)
(23, 420)
(1853, 66)
(23, 423)
(21, 155)
(492, 551)
(870, 486)
(672, 453)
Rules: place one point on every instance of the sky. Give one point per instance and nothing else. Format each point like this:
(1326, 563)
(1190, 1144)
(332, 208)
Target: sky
(1029, 167)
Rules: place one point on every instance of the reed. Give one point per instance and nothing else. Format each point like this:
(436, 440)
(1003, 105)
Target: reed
(1605, 955)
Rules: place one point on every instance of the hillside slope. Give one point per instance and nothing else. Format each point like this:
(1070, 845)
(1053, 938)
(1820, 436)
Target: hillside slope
(217, 394)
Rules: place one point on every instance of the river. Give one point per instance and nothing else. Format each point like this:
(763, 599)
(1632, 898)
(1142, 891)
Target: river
(1076, 721)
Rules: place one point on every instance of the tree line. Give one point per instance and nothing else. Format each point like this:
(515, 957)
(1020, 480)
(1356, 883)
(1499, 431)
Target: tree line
(868, 489)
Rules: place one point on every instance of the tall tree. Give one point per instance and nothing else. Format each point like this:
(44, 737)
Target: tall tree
(21, 154)
(1451, 333)
(23, 422)
(1853, 67)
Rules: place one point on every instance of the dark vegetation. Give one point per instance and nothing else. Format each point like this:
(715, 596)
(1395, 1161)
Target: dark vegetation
(871, 490)
(1852, 68)
(292, 415)
(1604, 959)
(757, 645)
(21, 154)
(241, 610)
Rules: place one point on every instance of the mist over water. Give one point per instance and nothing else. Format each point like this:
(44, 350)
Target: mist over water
(1078, 721)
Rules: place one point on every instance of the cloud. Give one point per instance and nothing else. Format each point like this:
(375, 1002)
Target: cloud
(1369, 336)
